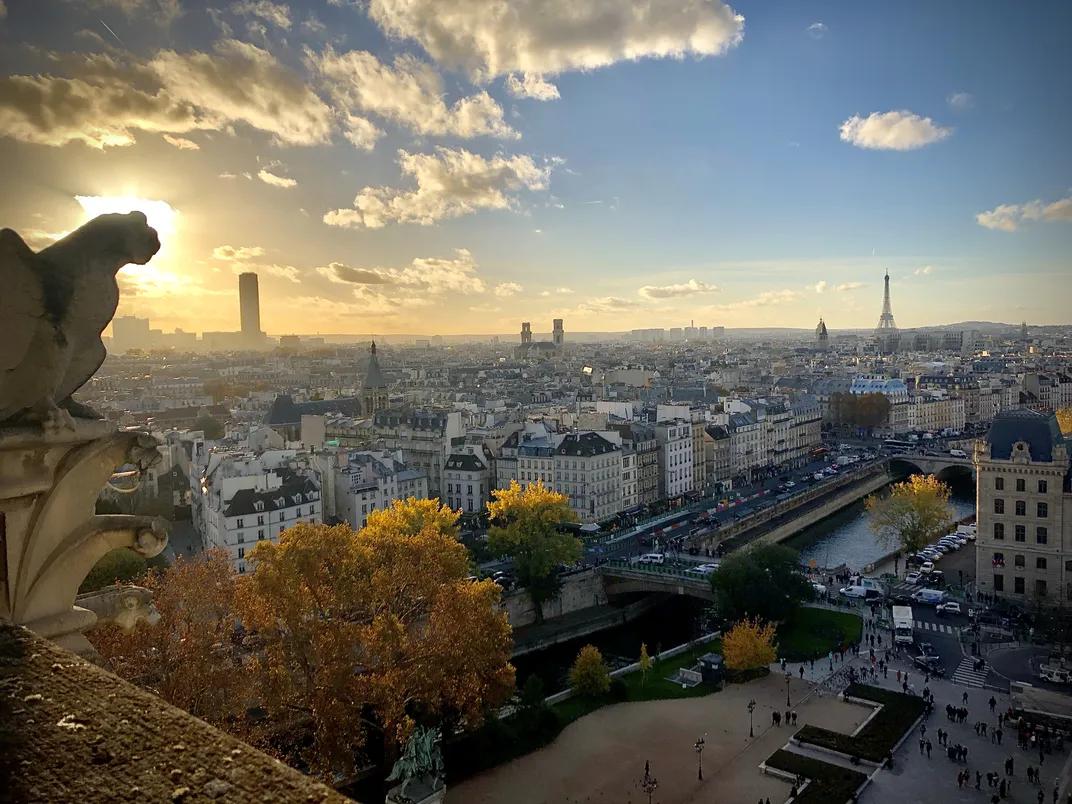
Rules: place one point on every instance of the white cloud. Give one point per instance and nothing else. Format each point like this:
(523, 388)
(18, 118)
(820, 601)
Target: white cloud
(182, 143)
(819, 286)
(1009, 217)
(489, 38)
(237, 253)
(768, 298)
(277, 14)
(894, 131)
(243, 83)
(926, 269)
(849, 286)
(276, 181)
(531, 85)
(282, 271)
(313, 25)
(361, 133)
(38, 239)
(960, 100)
(557, 292)
(450, 183)
(162, 11)
(430, 274)
(228, 175)
(817, 30)
(485, 308)
(410, 93)
(507, 289)
(690, 288)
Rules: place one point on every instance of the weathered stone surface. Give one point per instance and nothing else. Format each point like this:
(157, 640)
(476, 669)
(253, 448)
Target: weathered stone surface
(54, 306)
(91, 737)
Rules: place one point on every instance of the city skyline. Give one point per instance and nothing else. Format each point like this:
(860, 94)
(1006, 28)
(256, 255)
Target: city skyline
(751, 166)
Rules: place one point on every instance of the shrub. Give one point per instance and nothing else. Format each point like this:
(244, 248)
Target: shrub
(590, 675)
(898, 714)
(744, 676)
(619, 691)
(830, 784)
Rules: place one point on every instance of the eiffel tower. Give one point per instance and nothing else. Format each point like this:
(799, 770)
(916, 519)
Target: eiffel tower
(885, 321)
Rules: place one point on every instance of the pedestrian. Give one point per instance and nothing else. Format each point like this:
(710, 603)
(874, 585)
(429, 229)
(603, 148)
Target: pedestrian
(647, 769)
(1001, 789)
(993, 703)
(960, 779)
(904, 687)
(929, 746)
(964, 698)
(978, 780)
(886, 671)
(1041, 797)
(794, 717)
(999, 733)
(922, 746)
(802, 672)
(983, 725)
(1042, 756)
(922, 729)
(1030, 774)
(898, 676)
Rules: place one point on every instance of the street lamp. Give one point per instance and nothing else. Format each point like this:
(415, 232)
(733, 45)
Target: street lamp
(649, 784)
(788, 676)
(751, 709)
(699, 746)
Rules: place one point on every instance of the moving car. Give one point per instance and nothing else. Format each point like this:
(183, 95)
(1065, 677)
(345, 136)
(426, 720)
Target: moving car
(949, 607)
(703, 570)
(819, 588)
(861, 592)
(958, 453)
(925, 649)
(929, 664)
(931, 596)
(912, 577)
(652, 558)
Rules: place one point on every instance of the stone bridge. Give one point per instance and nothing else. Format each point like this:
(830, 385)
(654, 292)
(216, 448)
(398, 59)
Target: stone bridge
(622, 578)
(944, 467)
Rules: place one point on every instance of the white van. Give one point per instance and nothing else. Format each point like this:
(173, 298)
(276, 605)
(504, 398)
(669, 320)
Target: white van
(652, 558)
(958, 453)
(930, 596)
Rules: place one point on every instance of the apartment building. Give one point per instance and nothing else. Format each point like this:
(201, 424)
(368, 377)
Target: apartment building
(675, 458)
(1024, 505)
(588, 468)
(372, 481)
(469, 479)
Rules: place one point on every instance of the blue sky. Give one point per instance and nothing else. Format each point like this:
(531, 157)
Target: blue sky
(693, 165)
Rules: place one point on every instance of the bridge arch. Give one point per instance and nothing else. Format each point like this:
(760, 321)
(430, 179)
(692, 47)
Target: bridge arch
(955, 472)
(900, 466)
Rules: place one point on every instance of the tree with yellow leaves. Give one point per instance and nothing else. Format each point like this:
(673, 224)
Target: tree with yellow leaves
(375, 629)
(1064, 421)
(590, 675)
(191, 658)
(524, 526)
(914, 514)
(749, 645)
(644, 663)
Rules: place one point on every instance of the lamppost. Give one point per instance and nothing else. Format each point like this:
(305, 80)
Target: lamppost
(649, 784)
(751, 709)
(788, 677)
(699, 746)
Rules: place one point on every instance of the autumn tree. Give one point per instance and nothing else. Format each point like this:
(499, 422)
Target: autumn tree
(915, 513)
(524, 526)
(373, 631)
(761, 581)
(190, 657)
(589, 675)
(644, 663)
(749, 645)
(1064, 420)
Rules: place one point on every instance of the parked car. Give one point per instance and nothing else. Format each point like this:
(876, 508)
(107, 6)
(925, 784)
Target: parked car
(927, 566)
(934, 578)
(912, 577)
(949, 607)
(861, 592)
(819, 588)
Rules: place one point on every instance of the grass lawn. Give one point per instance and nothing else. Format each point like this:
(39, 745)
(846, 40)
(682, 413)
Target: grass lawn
(830, 784)
(812, 633)
(898, 715)
(657, 687)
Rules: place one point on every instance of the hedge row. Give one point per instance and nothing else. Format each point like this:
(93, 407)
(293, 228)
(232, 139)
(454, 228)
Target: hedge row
(499, 741)
(830, 784)
(874, 742)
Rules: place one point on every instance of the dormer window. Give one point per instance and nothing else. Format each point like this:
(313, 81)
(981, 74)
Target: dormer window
(296, 498)
(258, 505)
(280, 502)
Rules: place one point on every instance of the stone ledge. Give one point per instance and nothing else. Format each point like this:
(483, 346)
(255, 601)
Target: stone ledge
(70, 731)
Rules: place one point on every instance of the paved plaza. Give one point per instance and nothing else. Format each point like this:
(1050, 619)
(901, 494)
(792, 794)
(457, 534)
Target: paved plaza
(600, 758)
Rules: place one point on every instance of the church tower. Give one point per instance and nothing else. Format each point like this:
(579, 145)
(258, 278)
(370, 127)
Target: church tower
(374, 388)
(822, 337)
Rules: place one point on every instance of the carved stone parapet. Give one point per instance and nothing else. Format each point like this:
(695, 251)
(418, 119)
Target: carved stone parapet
(425, 791)
(50, 537)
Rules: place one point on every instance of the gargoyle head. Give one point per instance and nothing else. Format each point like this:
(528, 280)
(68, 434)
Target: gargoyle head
(123, 239)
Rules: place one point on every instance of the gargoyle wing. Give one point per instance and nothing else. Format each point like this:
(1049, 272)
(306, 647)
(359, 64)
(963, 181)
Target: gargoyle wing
(22, 307)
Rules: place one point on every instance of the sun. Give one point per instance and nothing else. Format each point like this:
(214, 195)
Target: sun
(160, 214)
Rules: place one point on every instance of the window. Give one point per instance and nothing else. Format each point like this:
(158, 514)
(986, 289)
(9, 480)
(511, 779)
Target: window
(364, 508)
(1042, 487)
(260, 535)
(241, 552)
(260, 519)
(1021, 508)
(239, 523)
(1021, 533)
(1018, 585)
(241, 569)
(999, 582)
(1021, 484)
(470, 501)
(1040, 587)
(471, 488)
(1041, 535)
(1018, 561)
(999, 530)
(1040, 563)
(1068, 566)
(450, 488)
(999, 506)
(1042, 510)
(999, 483)
(282, 515)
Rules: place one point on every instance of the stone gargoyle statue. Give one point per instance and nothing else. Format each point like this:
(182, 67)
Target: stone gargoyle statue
(120, 605)
(54, 305)
(420, 766)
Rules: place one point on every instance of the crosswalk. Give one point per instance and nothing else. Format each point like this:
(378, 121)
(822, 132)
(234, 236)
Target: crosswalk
(941, 628)
(967, 675)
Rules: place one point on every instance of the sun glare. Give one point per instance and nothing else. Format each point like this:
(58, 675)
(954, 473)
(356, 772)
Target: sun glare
(160, 214)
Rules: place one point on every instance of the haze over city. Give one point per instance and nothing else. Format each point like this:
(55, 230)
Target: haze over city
(386, 170)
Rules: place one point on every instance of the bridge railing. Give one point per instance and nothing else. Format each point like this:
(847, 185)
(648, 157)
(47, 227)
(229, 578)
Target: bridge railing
(617, 566)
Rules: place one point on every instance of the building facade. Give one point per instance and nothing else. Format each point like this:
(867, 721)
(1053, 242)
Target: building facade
(675, 458)
(588, 468)
(1024, 507)
(469, 480)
